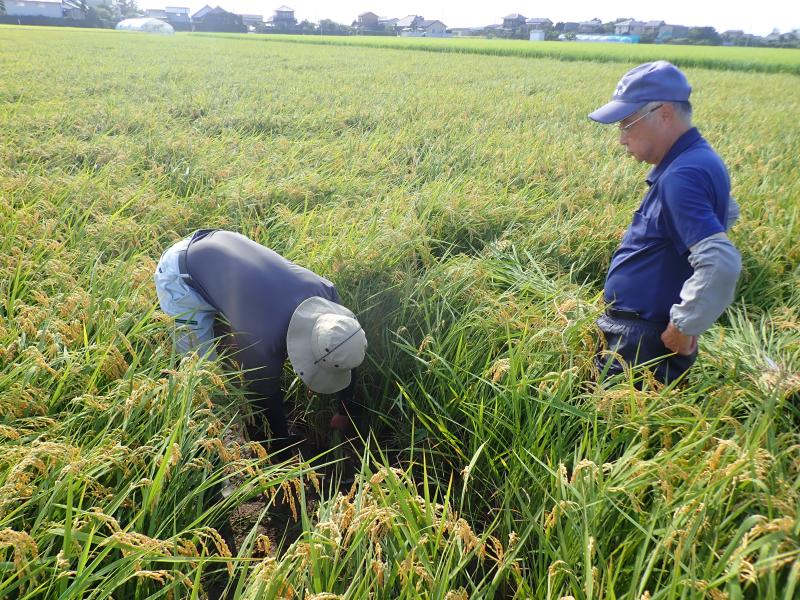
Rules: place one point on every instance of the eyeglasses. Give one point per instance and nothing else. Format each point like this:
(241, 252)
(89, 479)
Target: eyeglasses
(625, 128)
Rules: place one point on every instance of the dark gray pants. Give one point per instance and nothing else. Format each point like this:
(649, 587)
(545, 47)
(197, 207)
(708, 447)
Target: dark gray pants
(637, 341)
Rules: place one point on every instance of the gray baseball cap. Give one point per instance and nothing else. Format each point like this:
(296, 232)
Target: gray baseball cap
(659, 80)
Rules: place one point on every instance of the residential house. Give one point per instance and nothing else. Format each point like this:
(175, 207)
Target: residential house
(73, 9)
(629, 27)
(387, 22)
(539, 24)
(34, 8)
(425, 28)
(432, 28)
(40, 12)
(466, 31)
(513, 21)
(202, 12)
(408, 23)
(589, 27)
(282, 19)
(178, 17)
(217, 19)
(156, 13)
(368, 20)
(652, 28)
(569, 27)
(253, 22)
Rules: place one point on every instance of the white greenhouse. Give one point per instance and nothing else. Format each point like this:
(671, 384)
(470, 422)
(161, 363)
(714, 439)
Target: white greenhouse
(145, 24)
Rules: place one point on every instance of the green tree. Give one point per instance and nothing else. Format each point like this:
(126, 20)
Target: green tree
(306, 26)
(704, 35)
(332, 27)
(102, 15)
(127, 9)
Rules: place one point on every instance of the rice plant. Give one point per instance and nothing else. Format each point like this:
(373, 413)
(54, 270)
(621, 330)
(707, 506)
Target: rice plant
(770, 60)
(466, 209)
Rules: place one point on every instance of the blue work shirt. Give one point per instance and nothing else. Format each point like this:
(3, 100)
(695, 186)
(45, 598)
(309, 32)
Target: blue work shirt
(687, 202)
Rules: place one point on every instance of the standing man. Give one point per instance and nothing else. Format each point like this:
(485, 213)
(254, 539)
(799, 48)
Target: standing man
(675, 271)
(274, 308)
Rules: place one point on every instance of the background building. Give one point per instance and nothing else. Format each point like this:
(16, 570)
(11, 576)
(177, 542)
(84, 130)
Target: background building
(282, 19)
(217, 19)
(34, 8)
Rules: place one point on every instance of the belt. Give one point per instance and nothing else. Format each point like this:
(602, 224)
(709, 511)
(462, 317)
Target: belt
(623, 314)
(184, 270)
(631, 315)
(187, 279)
(182, 264)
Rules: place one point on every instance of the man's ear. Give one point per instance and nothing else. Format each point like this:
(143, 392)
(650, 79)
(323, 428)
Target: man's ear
(668, 114)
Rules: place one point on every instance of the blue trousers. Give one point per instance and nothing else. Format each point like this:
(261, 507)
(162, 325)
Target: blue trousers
(194, 317)
(636, 342)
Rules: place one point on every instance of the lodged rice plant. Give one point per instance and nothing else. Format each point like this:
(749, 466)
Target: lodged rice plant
(617, 490)
(387, 538)
(466, 209)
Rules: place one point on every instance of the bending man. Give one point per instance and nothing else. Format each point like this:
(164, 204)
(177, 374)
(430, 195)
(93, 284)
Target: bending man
(274, 308)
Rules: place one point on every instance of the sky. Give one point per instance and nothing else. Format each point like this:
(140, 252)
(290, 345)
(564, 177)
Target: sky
(757, 17)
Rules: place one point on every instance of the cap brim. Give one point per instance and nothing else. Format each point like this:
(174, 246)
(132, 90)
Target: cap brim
(298, 346)
(614, 111)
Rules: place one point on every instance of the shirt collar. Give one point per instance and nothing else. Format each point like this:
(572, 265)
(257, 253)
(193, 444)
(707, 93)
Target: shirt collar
(681, 144)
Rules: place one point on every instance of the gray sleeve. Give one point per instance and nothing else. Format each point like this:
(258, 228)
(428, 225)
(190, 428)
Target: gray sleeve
(709, 291)
(733, 213)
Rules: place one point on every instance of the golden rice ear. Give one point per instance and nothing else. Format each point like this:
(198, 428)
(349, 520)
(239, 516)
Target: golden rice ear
(22, 544)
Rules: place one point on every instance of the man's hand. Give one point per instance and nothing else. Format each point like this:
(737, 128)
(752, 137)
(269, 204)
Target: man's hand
(342, 424)
(678, 342)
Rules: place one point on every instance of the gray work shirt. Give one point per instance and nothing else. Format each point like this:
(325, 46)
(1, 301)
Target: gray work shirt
(257, 290)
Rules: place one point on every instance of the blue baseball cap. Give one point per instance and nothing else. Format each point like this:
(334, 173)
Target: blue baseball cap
(653, 81)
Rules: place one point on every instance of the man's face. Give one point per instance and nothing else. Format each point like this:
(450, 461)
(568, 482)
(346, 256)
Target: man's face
(639, 133)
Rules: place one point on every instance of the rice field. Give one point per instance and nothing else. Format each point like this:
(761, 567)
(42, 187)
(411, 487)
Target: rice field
(466, 209)
(738, 58)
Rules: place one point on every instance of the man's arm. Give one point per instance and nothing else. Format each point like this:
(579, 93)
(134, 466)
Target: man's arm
(262, 372)
(346, 408)
(696, 229)
(707, 293)
(733, 213)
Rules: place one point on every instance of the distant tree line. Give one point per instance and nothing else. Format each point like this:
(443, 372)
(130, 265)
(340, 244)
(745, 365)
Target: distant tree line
(695, 36)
